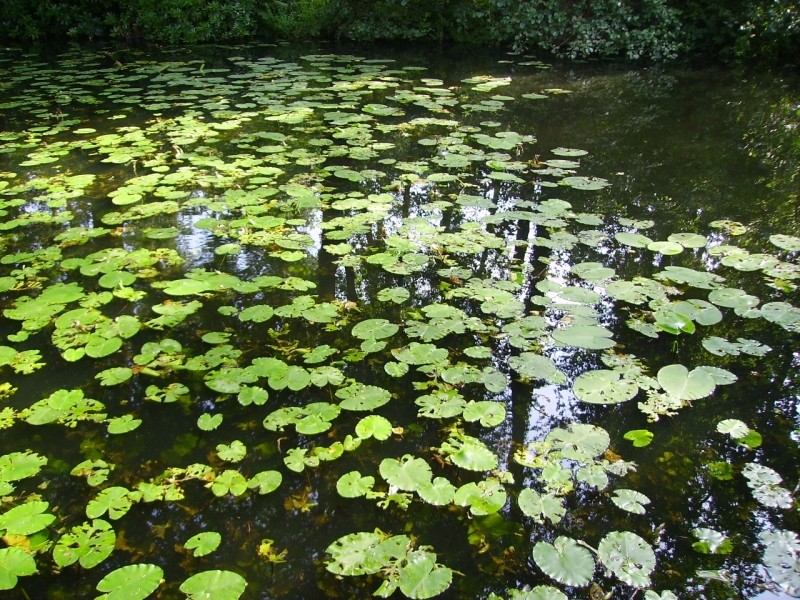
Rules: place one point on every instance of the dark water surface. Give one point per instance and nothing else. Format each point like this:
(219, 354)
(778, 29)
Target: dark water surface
(257, 176)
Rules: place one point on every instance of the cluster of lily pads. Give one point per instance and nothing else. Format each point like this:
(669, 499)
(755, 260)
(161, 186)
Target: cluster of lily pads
(177, 244)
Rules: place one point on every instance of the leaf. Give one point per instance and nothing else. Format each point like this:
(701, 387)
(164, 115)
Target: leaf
(438, 492)
(114, 500)
(630, 500)
(406, 473)
(628, 556)
(265, 482)
(229, 481)
(360, 397)
(469, 453)
(483, 498)
(233, 452)
(354, 485)
(355, 554)
(14, 563)
(374, 426)
(421, 577)
(604, 387)
(26, 519)
(374, 329)
(710, 541)
(208, 422)
(131, 582)
(565, 561)
(592, 337)
(214, 585)
(123, 424)
(87, 543)
(20, 465)
(681, 384)
(541, 506)
(639, 437)
(203, 543)
(733, 427)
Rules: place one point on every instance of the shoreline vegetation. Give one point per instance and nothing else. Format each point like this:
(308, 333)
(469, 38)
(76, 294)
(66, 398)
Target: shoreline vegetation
(651, 30)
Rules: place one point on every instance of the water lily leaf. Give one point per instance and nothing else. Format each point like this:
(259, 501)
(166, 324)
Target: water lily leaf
(682, 384)
(354, 485)
(585, 183)
(628, 556)
(604, 387)
(634, 240)
(565, 561)
(14, 563)
(265, 482)
(593, 271)
(229, 481)
(208, 422)
(374, 426)
(665, 248)
(488, 413)
(630, 500)
(783, 314)
(214, 585)
(26, 519)
(483, 498)
(422, 577)
(733, 427)
(395, 369)
(116, 501)
(356, 554)
(786, 242)
(438, 492)
(469, 453)
(639, 437)
(203, 543)
(711, 541)
(397, 295)
(360, 397)
(114, 376)
(233, 452)
(407, 473)
(689, 240)
(781, 549)
(420, 354)
(541, 506)
(592, 337)
(131, 582)
(530, 365)
(123, 424)
(20, 465)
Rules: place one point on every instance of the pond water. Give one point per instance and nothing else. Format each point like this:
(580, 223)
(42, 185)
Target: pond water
(292, 322)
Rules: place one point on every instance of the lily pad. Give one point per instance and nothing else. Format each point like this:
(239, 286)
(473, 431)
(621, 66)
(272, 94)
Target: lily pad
(565, 561)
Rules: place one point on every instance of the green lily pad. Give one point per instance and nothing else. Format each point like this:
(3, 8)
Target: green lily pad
(131, 582)
(14, 563)
(628, 556)
(214, 585)
(203, 543)
(604, 387)
(565, 561)
(682, 384)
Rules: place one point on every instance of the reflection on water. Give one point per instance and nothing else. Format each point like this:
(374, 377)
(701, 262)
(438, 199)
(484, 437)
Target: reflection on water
(315, 185)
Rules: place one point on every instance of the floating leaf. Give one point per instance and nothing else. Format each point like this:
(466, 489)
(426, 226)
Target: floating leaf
(354, 485)
(682, 384)
(14, 563)
(565, 561)
(26, 519)
(639, 437)
(628, 556)
(203, 543)
(541, 506)
(214, 585)
(604, 387)
(407, 473)
(131, 582)
(630, 500)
